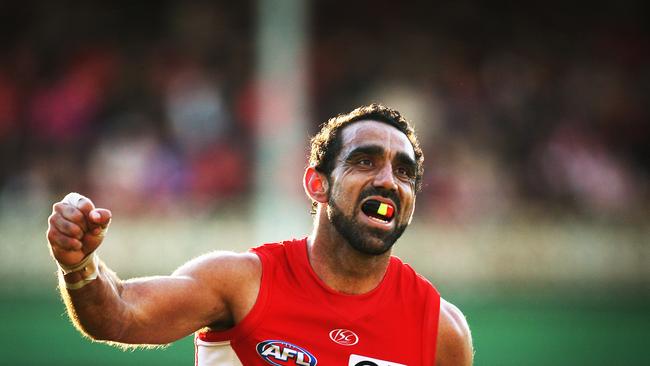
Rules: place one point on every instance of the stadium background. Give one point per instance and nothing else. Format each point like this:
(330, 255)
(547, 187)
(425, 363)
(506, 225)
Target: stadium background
(185, 117)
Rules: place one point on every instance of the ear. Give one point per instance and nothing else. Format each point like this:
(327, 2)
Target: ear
(315, 185)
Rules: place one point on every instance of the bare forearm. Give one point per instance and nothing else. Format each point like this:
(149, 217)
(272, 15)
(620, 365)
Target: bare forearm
(97, 309)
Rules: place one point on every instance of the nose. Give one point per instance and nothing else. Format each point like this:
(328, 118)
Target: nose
(385, 178)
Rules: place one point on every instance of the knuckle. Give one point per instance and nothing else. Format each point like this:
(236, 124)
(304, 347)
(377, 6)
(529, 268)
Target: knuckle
(53, 237)
(64, 225)
(71, 229)
(59, 207)
(73, 243)
(59, 224)
(65, 243)
(77, 215)
(76, 231)
(72, 214)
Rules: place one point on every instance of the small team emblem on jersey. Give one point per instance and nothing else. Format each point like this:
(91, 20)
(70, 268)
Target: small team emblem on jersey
(344, 337)
(281, 353)
(356, 360)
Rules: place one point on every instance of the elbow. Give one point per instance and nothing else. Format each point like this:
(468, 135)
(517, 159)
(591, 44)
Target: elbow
(102, 334)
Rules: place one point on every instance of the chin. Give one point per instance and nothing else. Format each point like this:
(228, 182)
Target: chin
(370, 241)
(376, 248)
(364, 239)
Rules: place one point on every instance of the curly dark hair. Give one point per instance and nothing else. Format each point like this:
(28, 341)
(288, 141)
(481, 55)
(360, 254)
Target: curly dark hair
(326, 144)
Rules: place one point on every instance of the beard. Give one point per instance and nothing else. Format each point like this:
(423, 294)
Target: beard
(366, 240)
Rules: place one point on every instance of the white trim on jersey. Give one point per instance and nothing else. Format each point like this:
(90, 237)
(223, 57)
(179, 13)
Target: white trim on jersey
(215, 354)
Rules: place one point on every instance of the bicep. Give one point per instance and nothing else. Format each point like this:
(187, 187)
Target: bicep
(165, 308)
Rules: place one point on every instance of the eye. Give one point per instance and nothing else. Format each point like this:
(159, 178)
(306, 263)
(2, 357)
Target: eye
(365, 162)
(404, 173)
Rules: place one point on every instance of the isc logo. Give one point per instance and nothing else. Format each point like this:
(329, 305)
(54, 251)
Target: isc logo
(344, 337)
(356, 360)
(281, 353)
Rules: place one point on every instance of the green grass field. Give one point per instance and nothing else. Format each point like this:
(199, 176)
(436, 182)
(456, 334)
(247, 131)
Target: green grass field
(515, 330)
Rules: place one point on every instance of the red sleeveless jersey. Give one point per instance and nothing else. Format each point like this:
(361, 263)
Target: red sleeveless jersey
(298, 320)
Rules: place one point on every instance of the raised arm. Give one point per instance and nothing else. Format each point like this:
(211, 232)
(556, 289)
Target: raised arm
(217, 289)
(454, 337)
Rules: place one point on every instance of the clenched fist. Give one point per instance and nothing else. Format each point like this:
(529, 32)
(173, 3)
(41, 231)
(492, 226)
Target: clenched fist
(76, 228)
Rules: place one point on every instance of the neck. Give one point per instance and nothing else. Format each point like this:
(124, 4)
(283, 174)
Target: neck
(338, 264)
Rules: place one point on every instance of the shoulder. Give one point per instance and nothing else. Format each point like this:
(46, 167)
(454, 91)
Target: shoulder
(454, 342)
(222, 264)
(241, 267)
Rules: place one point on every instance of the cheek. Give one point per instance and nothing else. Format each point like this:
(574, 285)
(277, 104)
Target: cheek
(344, 186)
(408, 206)
(335, 194)
(407, 211)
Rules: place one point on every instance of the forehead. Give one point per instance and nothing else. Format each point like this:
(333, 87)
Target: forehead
(370, 132)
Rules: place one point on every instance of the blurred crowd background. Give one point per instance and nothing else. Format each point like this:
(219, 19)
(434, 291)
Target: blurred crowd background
(530, 106)
(534, 118)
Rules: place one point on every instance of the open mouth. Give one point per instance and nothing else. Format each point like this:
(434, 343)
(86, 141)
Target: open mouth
(380, 211)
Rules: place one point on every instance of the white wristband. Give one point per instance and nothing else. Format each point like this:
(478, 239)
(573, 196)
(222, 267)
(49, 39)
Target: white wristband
(87, 268)
(79, 266)
(82, 283)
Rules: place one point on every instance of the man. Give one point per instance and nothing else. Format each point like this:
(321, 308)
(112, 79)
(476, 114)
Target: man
(336, 297)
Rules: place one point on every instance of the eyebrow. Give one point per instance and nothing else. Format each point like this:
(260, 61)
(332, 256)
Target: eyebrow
(404, 159)
(365, 150)
(400, 157)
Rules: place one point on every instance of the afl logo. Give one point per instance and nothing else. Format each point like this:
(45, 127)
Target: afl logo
(344, 337)
(281, 353)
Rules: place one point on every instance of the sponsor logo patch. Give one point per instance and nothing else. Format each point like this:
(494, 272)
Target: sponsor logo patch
(344, 337)
(356, 360)
(281, 353)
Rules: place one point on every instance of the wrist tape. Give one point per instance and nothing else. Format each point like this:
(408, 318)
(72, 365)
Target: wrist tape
(87, 268)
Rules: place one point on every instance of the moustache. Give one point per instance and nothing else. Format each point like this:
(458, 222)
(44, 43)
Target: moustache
(386, 193)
